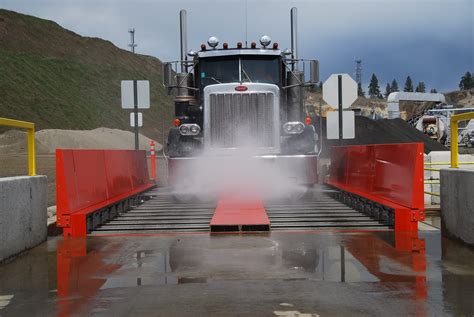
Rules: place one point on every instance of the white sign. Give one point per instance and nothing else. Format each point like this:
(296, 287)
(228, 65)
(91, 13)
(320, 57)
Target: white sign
(143, 94)
(132, 119)
(331, 91)
(348, 125)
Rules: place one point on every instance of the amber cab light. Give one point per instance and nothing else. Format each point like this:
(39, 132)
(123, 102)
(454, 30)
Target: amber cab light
(225, 46)
(177, 122)
(239, 45)
(241, 88)
(308, 120)
(253, 45)
(275, 45)
(203, 47)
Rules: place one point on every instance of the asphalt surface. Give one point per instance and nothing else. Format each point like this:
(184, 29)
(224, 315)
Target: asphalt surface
(320, 272)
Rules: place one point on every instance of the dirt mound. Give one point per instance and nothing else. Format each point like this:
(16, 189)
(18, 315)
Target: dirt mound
(48, 140)
(368, 131)
(463, 98)
(60, 80)
(314, 99)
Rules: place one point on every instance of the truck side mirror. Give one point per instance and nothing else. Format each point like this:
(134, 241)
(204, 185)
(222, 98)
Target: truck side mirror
(313, 71)
(168, 75)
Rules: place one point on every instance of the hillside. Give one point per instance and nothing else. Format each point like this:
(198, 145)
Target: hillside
(460, 99)
(61, 80)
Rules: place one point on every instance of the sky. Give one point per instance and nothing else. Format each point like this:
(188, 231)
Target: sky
(430, 40)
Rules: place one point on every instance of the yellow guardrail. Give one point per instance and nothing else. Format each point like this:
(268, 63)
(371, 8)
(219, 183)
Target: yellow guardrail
(448, 163)
(30, 128)
(454, 135)
(432, 169)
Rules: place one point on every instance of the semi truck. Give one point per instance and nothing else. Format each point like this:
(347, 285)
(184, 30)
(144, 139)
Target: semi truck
(230, 97)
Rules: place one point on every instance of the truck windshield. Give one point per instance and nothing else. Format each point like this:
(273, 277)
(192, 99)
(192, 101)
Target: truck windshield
(258, 69)
(255, 69)
(219, 70)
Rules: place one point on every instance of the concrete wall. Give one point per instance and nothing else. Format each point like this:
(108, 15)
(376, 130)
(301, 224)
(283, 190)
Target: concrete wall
(457, 204)
(23, 215)
(438, 157)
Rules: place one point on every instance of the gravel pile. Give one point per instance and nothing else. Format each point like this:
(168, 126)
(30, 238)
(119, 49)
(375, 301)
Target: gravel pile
(48, 140)
(386, 131)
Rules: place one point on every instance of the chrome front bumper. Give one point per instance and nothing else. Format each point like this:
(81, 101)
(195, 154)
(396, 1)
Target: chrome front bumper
(298, 169)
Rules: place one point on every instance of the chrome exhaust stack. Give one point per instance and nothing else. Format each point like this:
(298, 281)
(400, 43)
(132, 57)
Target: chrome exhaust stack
(183, 79)
(294, 35)
(295, 78)
(183, 34)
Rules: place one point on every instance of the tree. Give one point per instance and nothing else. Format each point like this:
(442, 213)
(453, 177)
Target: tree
(374, 89)
(388, 90)
(360, 92)
(467, 82)
(408, 85)
(421, 87)
(394, 86)
(433, 91)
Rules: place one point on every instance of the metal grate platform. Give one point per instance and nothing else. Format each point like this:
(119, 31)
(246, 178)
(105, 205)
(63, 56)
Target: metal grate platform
(161, 213)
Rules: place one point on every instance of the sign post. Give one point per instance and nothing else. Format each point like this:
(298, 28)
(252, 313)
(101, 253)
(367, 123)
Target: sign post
(339, 108)
(135, 112)
(132, 119)
(340, 91)
(135, 95)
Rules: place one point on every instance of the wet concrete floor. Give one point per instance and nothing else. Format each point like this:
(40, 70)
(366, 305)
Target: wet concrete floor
(325, 273)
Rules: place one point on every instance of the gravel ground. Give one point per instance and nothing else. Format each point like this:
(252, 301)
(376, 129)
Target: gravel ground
(48, 140)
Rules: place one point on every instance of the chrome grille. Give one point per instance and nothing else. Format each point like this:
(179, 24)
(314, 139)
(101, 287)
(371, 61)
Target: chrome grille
(241, 119)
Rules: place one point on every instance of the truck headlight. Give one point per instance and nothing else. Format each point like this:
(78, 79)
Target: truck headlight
(293, 127)
(195, 129)
(183, 129)
(189, 129)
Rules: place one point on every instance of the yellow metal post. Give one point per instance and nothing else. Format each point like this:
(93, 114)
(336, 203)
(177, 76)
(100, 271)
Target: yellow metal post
(30, 128)
(31, 152)
(454, 143)
(454, 135)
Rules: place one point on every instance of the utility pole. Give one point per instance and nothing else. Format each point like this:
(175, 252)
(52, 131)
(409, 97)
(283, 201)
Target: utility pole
(358, 76)
(358, 71)
(132, 45)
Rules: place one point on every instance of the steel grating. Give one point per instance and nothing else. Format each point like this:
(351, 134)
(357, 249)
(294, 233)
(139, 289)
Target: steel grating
(160, 213)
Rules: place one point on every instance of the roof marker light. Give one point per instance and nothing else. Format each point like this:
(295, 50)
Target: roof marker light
(275, 46)
(213, 41)
(253, 45)
(239, 44)
(265, 40)
(203, 47)
(225, 46)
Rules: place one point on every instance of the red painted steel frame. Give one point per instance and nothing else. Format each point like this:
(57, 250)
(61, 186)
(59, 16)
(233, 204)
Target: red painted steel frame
(238, 211)
(389, 174)
(153, 160)
(88, 180)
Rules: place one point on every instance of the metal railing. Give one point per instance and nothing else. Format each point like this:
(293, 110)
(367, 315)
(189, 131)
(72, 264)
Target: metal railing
(30, 128)
(437, 181)
(454, 132)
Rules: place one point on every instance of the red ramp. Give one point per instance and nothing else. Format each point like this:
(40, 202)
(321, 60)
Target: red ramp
(235, 214)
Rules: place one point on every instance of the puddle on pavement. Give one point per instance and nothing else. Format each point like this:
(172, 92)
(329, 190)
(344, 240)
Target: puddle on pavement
(66, 274)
